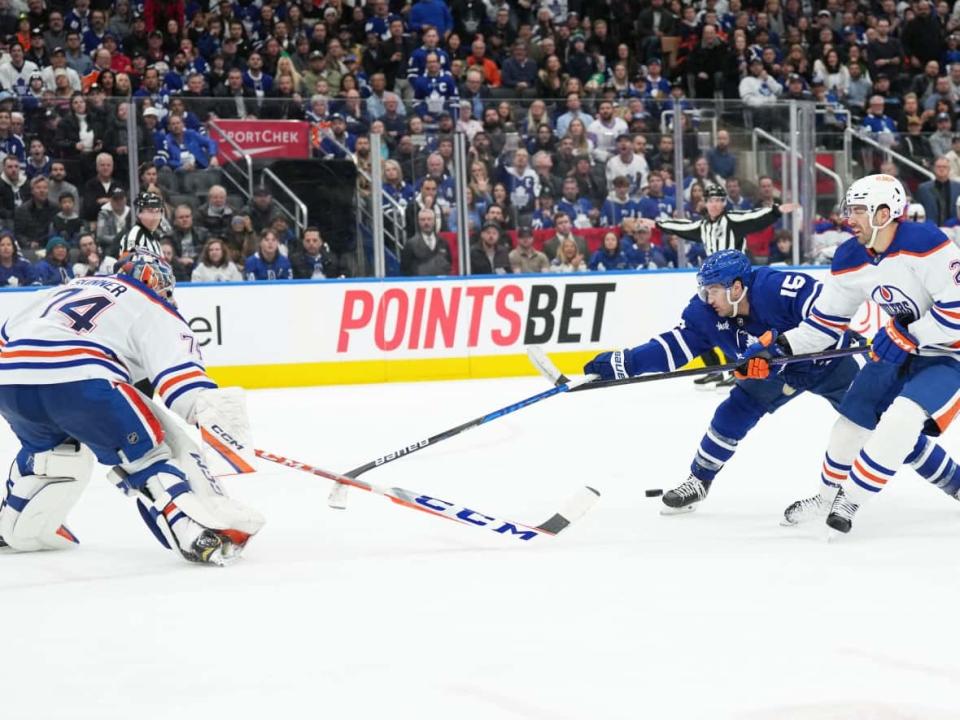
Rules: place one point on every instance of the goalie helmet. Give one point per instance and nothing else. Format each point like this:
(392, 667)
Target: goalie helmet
(152, 270)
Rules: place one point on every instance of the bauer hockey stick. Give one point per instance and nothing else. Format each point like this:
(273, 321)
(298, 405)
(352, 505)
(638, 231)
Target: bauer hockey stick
(550, 371)
(337, 498)
(575, 507)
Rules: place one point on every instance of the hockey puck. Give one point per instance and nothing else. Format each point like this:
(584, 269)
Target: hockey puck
(654, 492)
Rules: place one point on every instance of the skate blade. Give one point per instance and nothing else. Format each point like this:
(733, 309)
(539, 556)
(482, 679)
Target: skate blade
(788, 523)
(667, 510)
(833, 536)
(337, 499)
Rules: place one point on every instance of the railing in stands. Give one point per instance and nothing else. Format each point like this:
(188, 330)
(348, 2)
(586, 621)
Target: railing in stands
(299, 214)
(891, 154)
(759, 133)
(245, 182)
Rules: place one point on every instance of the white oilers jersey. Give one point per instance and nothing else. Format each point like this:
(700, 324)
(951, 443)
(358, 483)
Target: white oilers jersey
(916, 280)
(110, 328)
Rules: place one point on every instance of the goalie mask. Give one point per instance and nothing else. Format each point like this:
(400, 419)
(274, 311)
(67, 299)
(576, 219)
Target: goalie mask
(152, 270)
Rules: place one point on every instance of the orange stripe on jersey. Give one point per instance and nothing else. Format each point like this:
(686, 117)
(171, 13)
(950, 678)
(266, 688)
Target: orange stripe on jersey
(817, 319)
(858, 466)
(948, 313)
(57, 353)
(849, 270)
(931, 251)
(179, 378)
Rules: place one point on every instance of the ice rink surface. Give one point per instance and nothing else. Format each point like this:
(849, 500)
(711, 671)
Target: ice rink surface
(381, 612)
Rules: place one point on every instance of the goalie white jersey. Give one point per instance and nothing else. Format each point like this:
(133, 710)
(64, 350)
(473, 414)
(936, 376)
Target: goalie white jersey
(112, 328)
(917, 280)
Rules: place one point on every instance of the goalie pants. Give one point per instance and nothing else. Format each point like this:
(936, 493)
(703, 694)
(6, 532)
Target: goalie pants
(749, 401)
(108, 417)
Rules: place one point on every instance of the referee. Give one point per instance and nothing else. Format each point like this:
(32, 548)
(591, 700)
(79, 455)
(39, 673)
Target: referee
(143, 235)
(721, 230)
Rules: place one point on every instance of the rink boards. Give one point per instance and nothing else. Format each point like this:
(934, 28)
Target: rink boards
(299, 333)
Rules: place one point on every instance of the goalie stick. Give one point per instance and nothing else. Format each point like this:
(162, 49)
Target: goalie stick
(550, 371)
(574, 508)
(337, 497)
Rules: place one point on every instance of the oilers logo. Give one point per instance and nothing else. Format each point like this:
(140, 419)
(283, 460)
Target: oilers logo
(895, 302)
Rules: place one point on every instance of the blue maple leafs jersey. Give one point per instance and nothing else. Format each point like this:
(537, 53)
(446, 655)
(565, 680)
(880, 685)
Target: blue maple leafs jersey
(779, 300)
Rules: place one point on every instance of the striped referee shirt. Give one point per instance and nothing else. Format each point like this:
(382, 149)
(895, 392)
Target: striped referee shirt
(138, 237)
(727, 232)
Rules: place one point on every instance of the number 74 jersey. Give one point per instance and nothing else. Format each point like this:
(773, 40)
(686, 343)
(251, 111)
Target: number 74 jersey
(110, 328)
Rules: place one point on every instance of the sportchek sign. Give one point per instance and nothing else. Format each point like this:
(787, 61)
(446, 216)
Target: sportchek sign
(266, 138)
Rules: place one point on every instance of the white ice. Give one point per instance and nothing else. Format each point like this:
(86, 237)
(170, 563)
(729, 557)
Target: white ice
(381, 612)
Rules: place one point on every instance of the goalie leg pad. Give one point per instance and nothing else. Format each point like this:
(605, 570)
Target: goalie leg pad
(37, 503)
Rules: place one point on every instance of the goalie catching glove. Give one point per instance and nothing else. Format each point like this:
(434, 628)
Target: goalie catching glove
(757, 357)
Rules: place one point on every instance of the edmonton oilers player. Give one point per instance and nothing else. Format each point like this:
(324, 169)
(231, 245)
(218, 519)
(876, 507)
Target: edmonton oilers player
(912, 271)
(735, 304)
(67, 362)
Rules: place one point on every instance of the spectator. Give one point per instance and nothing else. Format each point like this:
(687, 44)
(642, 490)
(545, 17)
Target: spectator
(879, 125)
(604, 131)
(922, 37)
(15, 271)
(267, 263)
(954, 158)
(236, 100)
(489, 257)
(188, 239)
(98, 190)
(941, 140)
(215, 265)
(67, 223)
(58, 184)
(13, 189)
(578, 209)
(939, 196)
(14, 74)
(707, 63)
(781, 250)
(735, 198)
(657, 205)
(313, 260)
(80, 131)
(545, 212)
(522, 183)
(525, 258)
(626, 163)
(114, 218)
(721, 161)
(519, 72)
(189, 150)
(425, 253)
(618, 205)
(884, 52)
(89, 259)
(759, 91)
(641, 252)
(38, 162)
(54, 268)
(435, 90)
(486, 66)
(427, 14)
(569, 258)
(573, 112)
(426, 198)
(543, 167)
(564, 231)
(33, 218)
(215, 214)
(609, 256)
(181, 272)
(858, 89)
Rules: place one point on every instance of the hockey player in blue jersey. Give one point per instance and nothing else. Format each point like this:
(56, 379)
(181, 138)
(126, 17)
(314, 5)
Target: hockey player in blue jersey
(68, 362)
(912, 271)
(734, 306)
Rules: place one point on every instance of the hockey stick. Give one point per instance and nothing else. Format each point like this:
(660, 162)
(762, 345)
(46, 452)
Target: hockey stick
(550, 371)
(574, 508)
(337, 498)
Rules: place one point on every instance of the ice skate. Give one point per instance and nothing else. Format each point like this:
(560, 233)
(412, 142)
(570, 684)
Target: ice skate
(841, 514)
(808, 509)
(216, 547)
(685, 497)
(726, 383)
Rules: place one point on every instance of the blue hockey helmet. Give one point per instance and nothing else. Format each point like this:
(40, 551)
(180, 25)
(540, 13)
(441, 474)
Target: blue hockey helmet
(723, 268)
(152, 270)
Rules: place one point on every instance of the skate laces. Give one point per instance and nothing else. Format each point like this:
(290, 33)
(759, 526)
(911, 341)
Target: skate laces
(844, 507)
(691, 488)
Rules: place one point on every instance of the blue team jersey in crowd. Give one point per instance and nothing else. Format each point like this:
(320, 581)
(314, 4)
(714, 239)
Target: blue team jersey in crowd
(256, 268)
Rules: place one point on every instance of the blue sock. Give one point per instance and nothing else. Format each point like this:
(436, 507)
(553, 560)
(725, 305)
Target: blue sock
(714, 452)
(934, 465)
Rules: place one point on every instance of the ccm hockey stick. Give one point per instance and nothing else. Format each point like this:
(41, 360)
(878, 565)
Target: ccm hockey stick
(550, 371)
(575, 507)
(337, 497)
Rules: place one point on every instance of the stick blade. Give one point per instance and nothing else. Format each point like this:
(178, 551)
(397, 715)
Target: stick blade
(574, 509)
(545, 366)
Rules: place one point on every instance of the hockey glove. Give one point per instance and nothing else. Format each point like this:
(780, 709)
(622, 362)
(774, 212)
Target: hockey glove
(759, 355)
(892, 343)
(614, 365)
